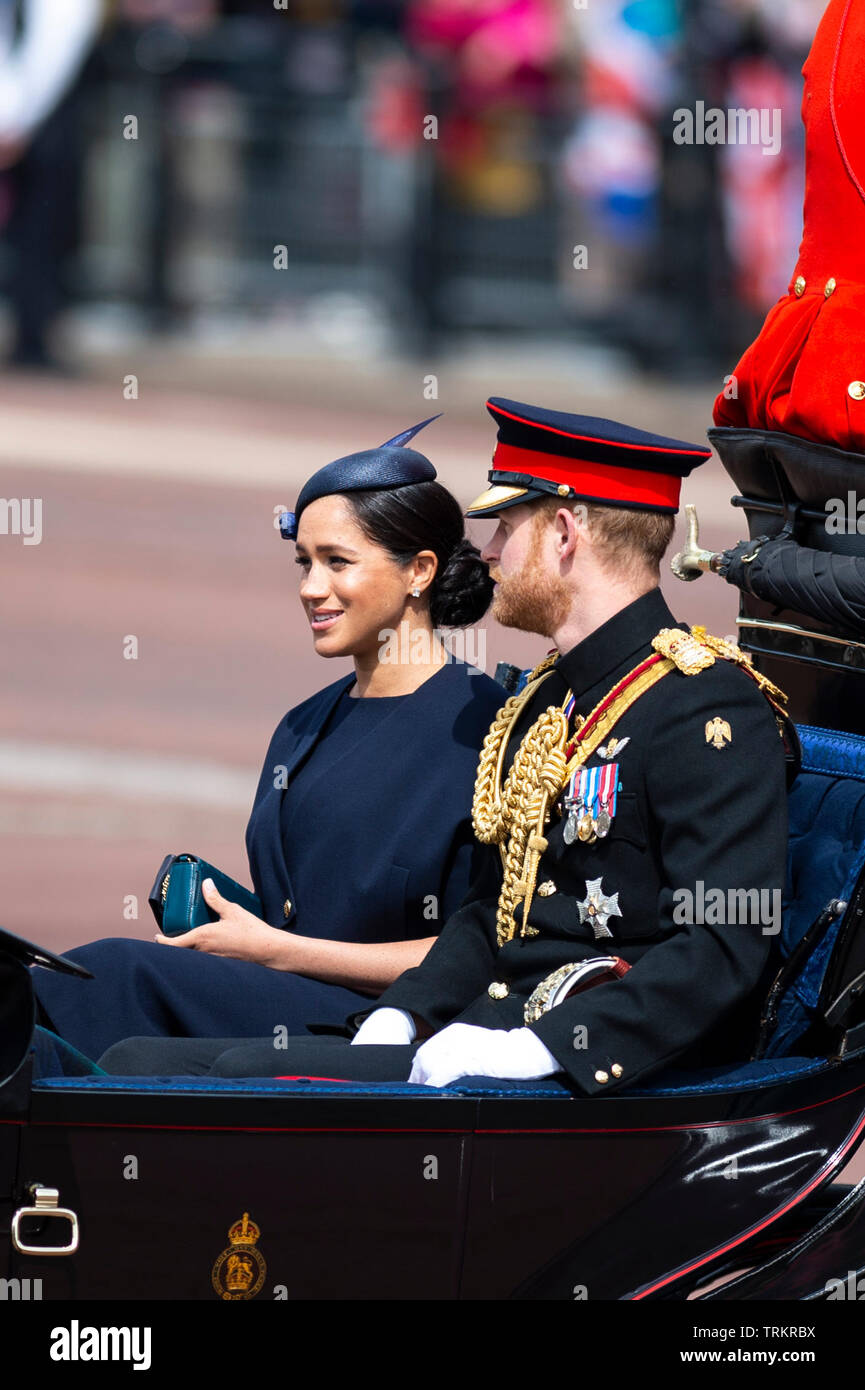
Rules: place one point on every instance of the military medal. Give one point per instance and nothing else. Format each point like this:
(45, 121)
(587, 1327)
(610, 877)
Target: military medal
(591, 803)
(604, 818)
(571, 802)
(578, 814)
(586, 828)
(597, 908)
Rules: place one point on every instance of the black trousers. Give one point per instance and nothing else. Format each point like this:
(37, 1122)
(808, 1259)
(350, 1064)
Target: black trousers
(322, 1057)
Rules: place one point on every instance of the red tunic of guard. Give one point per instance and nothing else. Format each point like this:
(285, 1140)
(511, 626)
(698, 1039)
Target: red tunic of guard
(805, 372)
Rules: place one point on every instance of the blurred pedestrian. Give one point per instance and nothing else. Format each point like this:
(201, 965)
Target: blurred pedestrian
(43, 48)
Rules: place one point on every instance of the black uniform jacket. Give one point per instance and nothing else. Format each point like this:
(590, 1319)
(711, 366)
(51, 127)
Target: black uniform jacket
(691, 817)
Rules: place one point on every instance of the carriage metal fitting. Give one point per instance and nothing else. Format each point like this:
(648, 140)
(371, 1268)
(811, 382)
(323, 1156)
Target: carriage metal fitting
(45, 1204)
(693, 561)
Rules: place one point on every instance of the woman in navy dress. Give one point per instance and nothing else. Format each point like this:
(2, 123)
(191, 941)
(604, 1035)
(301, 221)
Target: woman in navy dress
(360, 843)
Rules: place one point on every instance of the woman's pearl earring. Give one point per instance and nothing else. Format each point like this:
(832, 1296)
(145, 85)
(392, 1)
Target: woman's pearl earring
(415, 593)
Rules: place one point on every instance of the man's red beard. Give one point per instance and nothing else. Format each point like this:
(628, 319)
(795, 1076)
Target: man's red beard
(531, 599)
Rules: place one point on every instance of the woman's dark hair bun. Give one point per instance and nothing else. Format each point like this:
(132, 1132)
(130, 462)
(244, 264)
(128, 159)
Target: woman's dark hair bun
(462, 591)
(425, 516)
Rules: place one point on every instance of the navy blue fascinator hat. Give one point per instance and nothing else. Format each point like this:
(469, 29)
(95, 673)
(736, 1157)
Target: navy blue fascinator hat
(391, 465)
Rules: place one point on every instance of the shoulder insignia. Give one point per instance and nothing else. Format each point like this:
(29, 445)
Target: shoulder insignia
(730, 652)
(686, 651)
(718, 732)
(721, 647)
(696, 650)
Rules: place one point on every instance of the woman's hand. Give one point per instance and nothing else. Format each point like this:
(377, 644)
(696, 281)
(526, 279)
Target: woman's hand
(237, 934)
(366, 967)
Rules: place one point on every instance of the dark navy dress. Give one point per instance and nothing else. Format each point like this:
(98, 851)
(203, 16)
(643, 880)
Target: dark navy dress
(360, 829)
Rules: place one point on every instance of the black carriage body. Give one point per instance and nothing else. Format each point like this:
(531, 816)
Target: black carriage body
(485, 1191)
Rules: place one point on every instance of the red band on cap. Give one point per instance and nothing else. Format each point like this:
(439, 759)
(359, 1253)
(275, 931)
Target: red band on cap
(601, 480)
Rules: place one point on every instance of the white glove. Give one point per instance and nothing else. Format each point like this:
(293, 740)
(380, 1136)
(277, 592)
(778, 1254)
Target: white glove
(462, 1049)
(386, 1026)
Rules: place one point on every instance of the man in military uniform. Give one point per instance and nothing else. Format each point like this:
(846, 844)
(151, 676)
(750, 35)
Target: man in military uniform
(633, 797)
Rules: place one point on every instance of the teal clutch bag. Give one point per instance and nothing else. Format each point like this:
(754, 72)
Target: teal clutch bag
(176, 898)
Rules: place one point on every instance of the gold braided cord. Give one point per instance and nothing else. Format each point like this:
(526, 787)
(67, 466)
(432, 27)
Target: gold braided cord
(506, 813)
(514, 814)
(486, 809)
(534, 779)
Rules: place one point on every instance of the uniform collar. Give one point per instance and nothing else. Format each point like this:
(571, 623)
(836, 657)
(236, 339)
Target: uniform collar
(619, 642)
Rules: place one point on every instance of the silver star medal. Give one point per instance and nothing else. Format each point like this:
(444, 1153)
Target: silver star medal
(597, 908)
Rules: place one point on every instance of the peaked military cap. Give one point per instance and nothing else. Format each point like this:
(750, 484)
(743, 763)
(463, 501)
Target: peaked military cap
(551, 453)
(391, 465)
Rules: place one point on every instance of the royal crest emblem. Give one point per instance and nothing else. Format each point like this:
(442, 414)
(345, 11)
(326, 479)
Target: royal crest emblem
(240, 1270)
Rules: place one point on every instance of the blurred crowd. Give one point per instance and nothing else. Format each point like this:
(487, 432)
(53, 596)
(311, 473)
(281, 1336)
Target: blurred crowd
(428, 167)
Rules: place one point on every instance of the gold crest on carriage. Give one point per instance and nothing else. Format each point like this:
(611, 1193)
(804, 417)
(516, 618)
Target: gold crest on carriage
(240, 1270)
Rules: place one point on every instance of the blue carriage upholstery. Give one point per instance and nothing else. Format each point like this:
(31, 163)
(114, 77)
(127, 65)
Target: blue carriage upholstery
(826, 808)
(748, 1076)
